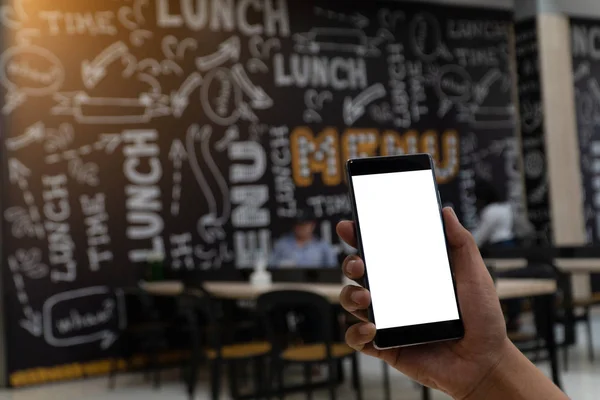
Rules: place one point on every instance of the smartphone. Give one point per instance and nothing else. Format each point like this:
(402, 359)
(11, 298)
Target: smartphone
(402, 240)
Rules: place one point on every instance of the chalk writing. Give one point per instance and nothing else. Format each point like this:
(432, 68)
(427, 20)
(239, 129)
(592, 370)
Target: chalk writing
(96, 222)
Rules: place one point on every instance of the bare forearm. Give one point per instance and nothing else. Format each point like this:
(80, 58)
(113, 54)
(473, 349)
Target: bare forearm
(516, 378)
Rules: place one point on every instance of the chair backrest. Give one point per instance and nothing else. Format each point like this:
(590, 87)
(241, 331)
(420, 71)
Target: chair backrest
(199, 314)
(313, 310)
(139, 305)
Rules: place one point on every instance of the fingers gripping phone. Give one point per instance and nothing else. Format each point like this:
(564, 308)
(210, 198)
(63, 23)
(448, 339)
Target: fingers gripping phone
(401, 238)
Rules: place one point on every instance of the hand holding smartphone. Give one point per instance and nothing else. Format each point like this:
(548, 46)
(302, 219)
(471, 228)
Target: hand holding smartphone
(401, 238)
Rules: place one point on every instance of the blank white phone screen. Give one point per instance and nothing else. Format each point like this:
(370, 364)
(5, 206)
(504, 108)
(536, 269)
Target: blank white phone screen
(404, 248)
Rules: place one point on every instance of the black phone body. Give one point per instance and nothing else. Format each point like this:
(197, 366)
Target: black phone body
(402, 240)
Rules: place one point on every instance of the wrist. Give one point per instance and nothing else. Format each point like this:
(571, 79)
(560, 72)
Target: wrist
(497, 373)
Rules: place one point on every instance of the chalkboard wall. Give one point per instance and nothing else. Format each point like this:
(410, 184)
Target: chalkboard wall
(197, 129)
(586, 72)
(532, 129)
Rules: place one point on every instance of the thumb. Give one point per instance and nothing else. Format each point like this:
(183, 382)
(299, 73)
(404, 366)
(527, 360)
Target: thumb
(466, 259)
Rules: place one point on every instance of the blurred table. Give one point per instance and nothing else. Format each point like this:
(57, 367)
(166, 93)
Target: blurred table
(506, 289)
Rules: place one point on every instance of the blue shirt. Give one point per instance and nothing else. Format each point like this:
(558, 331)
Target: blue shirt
(315, 253)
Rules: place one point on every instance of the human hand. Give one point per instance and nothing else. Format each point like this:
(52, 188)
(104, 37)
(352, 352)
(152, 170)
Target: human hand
(457, 368)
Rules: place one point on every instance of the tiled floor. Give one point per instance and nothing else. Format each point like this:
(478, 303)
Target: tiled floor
(582, 382)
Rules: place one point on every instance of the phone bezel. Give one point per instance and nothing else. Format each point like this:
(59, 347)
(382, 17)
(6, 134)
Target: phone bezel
(415, 334)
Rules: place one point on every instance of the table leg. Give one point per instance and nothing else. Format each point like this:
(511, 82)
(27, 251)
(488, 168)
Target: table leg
(567, 289)
(425, 393)
(549, 316)
(386, 381)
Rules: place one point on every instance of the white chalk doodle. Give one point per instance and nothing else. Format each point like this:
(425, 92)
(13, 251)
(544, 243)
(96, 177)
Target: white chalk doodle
(177, 155)
(259, 99)
(231, 134)
(389, 19)
(132, 18)
(315, 101)
(256, 66)
(311, 116)
(492, 118)
(13, 15)
(180, 98)
(29, 71)
(70, 326)
(229, 50)
(381, 113)
(84, 173)
(18, 174)
(532, 116)
(174, 48)
(223, 105)
(211, 225)
(582, 71)
(355, 108)
(214, 258)
(139, 37)
(33, 134)
(29, 263)
(426, 38)
(261, 49)
(32, 321)
(93, 72)
(482, 89)
(348, 40)
(59, 139)
(356, 19)
(534, 164)
(20, 221)
(453, 87)
(107, 142)
(102, 110)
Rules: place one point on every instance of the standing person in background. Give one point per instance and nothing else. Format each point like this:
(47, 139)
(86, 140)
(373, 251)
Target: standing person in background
(301, 248)
(496, 217)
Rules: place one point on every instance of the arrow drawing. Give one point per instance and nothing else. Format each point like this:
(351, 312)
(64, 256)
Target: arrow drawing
(18, 174)
(180, 98)
(228, 50)
(111, 110)
(357, 19)
(210, 226)
(33, 319)
(108, 142)
(336, 40)
(259, 98)
(354, 109)
(92, 72)
(35, 133)
(105, 336)
(177, 155)
(583, 70)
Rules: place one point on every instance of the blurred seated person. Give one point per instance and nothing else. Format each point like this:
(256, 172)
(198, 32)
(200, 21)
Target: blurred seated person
(496, 217)
(301, 248)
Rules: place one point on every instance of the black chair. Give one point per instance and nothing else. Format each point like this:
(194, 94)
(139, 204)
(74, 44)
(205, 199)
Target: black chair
(209, 346)
(310, 343)
(144, 333)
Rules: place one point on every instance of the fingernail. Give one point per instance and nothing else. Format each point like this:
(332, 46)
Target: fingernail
(351, 267)
(355, 297)
(365, 329)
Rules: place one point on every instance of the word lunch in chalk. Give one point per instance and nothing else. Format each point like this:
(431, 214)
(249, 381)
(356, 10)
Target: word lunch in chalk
(221, 15)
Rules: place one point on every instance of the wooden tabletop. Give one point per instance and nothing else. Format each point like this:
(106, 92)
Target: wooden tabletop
(506, 289)
(568, 265)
